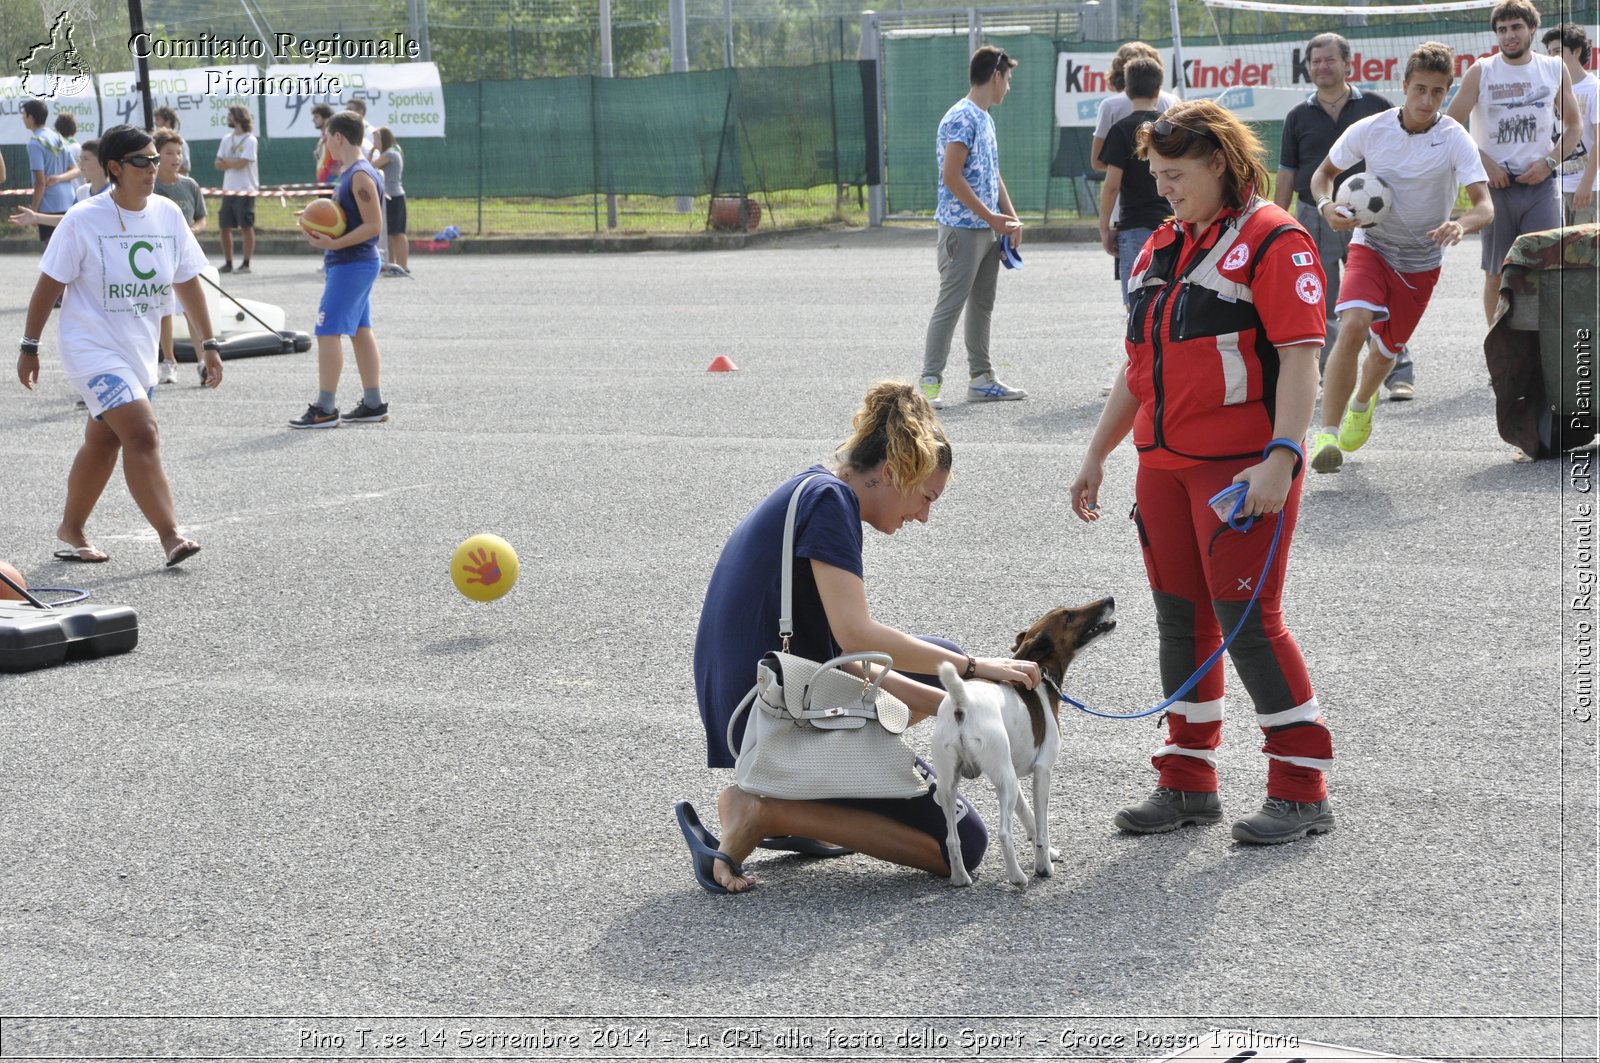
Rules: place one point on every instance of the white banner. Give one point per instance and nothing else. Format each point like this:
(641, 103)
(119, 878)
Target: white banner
(197, 95)
(81, 105)
(1258, 82)
(406, 97)
(1322, 11)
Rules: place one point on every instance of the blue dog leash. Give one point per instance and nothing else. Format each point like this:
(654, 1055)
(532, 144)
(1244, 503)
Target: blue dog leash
(1237, 494)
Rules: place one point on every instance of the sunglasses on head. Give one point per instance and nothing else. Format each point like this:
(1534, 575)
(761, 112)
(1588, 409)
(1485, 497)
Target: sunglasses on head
(143, 162)
(1163, 128)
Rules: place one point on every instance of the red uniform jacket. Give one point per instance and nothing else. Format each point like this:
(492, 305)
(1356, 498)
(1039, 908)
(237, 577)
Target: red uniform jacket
(1208, 316)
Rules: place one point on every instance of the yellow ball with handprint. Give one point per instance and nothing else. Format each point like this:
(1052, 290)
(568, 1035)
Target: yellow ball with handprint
(484, 567)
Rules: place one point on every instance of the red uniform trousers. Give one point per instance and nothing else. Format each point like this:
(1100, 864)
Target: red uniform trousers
(1202, 580)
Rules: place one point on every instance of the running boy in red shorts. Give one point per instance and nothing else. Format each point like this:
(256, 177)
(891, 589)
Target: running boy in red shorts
(1422, 154)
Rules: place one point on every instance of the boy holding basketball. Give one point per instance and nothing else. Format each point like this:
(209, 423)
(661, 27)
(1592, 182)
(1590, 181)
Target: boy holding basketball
(351, 265)
(1422, 154)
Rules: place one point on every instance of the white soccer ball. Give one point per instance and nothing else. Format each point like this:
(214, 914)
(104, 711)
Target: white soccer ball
(1366, 197)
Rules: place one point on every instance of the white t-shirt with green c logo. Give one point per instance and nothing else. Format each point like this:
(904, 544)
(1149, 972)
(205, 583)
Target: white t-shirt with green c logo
(119, 267)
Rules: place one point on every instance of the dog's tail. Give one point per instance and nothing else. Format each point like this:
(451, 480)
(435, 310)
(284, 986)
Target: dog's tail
(955, 688)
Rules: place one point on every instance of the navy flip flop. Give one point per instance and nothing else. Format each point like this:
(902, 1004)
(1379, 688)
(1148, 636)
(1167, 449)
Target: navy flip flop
(793, 843)
(703, 849)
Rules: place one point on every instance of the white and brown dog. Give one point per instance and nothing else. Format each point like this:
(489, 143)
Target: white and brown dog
(1009, 733)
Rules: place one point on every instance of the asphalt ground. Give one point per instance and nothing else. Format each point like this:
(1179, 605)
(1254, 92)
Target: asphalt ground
(329, 792)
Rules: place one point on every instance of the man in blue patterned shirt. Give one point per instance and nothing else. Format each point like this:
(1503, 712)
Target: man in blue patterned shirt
(975, 216)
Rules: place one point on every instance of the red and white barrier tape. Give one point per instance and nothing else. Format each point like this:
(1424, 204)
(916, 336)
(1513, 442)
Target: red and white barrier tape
(283, 192)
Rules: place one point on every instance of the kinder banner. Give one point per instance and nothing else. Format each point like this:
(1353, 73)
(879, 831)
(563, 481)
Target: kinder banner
(81, 105)
(198, 95)
(406, 97)
(1258, 82)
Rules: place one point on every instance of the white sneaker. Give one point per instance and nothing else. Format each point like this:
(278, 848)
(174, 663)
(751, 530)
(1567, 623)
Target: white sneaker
(167, 373)
(986, 388)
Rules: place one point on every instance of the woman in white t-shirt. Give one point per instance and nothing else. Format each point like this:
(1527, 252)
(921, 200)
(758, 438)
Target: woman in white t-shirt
(116, 261)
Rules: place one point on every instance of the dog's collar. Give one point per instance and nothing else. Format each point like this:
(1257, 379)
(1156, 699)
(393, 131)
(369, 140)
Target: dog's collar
(1055, 684)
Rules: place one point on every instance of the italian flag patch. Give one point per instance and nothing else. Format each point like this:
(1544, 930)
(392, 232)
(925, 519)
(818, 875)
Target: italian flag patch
(1301, 258)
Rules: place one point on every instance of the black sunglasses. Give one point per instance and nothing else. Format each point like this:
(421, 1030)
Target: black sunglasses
(1164, 127)
(143, 162)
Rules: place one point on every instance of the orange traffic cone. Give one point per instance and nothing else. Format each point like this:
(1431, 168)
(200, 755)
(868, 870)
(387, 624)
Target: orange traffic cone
(721, 364)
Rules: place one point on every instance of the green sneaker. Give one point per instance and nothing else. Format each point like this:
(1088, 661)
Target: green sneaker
(930, 391)
(1356, 426)
(1325, 453)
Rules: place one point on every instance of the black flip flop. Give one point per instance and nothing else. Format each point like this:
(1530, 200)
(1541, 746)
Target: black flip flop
(182, 552)
(703, 848)
(74, 554)
(793, 843)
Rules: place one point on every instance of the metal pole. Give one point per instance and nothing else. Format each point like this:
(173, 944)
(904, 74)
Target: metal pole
(727, 33)
(872, 52)
(478, 98)
(1177, 51)
(417, 22)
(678, 30)
(975, 30)
(142, 64)
(606, 71)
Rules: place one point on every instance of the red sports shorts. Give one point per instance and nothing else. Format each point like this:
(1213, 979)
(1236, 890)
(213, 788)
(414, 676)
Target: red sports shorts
(1396, 299)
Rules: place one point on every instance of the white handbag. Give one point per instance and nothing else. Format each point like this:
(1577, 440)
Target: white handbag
(818, 731)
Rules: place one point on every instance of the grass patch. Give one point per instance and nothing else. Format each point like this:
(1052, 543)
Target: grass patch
(587, 215)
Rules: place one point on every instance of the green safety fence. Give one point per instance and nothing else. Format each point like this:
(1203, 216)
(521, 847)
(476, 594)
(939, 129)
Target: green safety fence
(924, 76)
(732, 131)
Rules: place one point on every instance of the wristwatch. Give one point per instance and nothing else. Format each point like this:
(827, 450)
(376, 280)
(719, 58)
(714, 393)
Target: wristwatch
(1552, 162)
(29, 345)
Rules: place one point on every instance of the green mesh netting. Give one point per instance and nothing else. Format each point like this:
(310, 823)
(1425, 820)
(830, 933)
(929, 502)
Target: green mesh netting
(741, 130)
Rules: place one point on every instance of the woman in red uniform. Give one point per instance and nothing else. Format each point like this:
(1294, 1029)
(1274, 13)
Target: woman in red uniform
(1223, 336)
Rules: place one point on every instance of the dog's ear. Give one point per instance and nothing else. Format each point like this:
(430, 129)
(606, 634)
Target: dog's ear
(1035, 649)
(1017, 645)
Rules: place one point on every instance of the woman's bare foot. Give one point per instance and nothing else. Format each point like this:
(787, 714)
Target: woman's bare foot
(740, 816)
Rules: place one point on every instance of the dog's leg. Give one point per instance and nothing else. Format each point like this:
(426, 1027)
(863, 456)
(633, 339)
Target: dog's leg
(944, 767)
(1008, 791)
(1042, 853)
(1025, 814)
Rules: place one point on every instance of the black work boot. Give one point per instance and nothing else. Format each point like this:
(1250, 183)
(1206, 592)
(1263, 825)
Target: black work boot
(1281, 821)
(1168, 809)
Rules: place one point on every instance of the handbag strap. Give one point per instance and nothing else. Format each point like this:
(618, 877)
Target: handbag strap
(786, 599)
(740, 711)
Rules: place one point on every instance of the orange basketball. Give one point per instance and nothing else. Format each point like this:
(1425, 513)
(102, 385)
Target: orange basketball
(323, 216)
(6, 593)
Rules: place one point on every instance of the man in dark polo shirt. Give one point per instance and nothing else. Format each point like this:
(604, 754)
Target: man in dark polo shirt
(1309, 130)
(1128, 176)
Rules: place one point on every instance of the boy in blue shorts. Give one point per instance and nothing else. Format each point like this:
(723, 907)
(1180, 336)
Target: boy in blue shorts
(351, 263)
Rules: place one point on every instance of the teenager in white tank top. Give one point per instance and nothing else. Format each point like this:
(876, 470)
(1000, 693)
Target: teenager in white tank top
(1514, 120)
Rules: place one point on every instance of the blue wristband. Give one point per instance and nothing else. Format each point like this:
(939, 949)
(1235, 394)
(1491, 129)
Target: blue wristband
(1287, 444)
